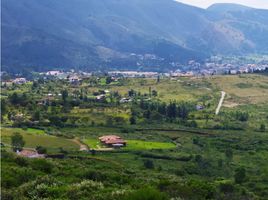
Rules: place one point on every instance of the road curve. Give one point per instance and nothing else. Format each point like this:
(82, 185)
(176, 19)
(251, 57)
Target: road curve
(220, 102)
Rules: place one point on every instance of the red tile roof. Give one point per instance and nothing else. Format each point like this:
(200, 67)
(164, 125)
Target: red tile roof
(112, 139)
(30, 154)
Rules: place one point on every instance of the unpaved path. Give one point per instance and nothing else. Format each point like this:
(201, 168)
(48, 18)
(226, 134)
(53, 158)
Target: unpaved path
(220, 102)
(83, 147)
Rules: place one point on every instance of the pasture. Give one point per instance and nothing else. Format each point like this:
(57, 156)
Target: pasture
(33, 138)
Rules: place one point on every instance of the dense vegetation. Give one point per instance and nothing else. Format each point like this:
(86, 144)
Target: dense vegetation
(177, 147)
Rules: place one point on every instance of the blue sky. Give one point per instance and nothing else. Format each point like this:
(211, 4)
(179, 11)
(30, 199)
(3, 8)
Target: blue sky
(207, 3)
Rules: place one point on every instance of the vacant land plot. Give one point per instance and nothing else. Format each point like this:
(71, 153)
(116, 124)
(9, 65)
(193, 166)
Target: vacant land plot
(243, 89)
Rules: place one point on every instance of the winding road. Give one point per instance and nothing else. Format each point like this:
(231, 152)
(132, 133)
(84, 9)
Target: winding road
(220, 102)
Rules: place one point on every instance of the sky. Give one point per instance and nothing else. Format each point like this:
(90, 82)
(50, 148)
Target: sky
(206, 3)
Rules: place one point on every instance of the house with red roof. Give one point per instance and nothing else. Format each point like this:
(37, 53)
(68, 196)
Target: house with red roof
(112, 141)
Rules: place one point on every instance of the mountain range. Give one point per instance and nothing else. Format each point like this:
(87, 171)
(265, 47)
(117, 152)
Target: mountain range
(125, 34)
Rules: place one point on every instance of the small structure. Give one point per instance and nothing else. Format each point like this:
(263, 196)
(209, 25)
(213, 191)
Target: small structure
(74, 79)
(53, 73)
(199, 107)
(19, 81)
(30, 154)
(100, 97)
(125, 100)
(113, 141)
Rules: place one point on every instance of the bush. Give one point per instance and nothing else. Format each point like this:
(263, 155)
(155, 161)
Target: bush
(93, 175)
(16, 176)
(44, 187)
(262, 128)
(21, 161)
(227, 187)
(84, 189)
(42, 165)
(146, 194)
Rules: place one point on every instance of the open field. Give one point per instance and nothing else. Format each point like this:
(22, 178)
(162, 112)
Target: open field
(147, 145)
(33, 139)
(243, 89)
(133, 144)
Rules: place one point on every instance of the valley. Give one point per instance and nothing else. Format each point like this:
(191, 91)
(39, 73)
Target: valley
(175, 144)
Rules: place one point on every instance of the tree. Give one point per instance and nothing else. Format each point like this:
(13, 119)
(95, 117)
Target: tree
(150, 91)
(131, 93)
(64, 95)
(240, 175)
(35, 85)
(146, 194)
(36, 115)
(41, 150)
(148, 164)
(4, 108)
(242, 116)
(14, 98)
(17, 142)
(229, 154)
(132, 120)
(109, 122)
(262, 128)
(171, 110)
(93, 152)
(158, 79)
(154, 93)
(108, 80)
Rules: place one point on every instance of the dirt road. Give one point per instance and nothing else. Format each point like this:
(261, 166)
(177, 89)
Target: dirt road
(220, 102)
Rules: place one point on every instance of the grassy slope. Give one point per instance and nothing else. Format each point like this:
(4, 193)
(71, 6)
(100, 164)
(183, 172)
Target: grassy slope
(34, 138)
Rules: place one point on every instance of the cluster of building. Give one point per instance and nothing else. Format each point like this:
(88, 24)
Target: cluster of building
(189, 70)
(71, 76)
(133, 74)
(216, 68)
(17, 81)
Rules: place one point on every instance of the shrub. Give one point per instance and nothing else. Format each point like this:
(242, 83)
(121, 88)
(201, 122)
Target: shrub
(146, 194)
(86, 188)
(42, 165)
(227, 187)
(262, 128)
(21, 161)
(45, 187)
(148, 164)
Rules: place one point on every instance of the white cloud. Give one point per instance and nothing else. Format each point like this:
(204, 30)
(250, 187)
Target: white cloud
(206, 3)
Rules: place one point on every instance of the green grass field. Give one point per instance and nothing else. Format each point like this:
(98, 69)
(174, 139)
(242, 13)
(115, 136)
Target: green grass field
(133, 144)
(34, 138)
(147, 145)
(92, 143)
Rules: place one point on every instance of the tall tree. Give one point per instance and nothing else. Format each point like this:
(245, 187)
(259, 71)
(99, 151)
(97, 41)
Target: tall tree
(64, 95)
(17, 142)
(240, 175)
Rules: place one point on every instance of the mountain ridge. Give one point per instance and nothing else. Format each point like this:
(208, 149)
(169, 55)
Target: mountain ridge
(66, 34)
